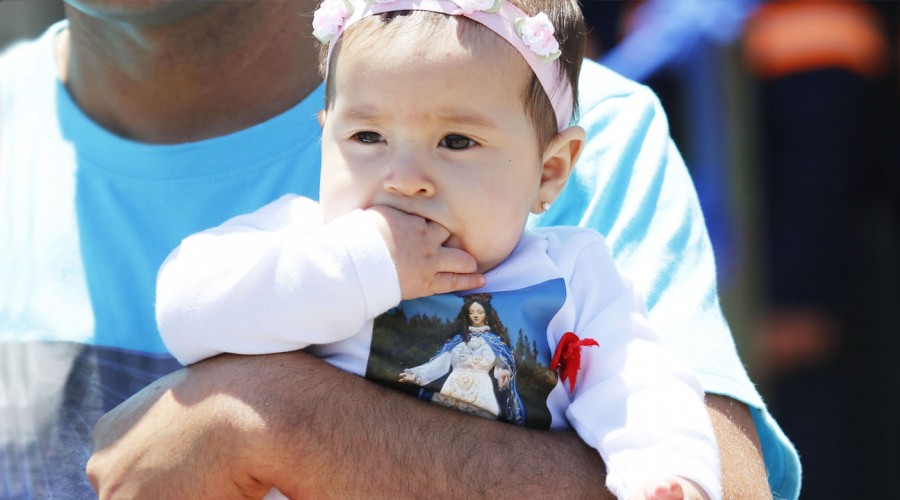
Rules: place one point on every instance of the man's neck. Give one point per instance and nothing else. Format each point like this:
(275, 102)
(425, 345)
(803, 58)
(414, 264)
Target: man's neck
(224, 69)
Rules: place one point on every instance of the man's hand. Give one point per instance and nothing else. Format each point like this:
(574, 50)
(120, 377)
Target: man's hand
(425, 267)
(169, 441)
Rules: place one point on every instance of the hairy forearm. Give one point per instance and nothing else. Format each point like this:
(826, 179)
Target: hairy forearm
(375, 439)
(347, 437)
(235, 426)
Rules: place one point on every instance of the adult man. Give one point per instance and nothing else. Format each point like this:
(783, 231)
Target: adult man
(172, 116)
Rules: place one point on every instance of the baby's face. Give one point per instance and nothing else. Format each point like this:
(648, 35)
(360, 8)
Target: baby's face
(433, 130)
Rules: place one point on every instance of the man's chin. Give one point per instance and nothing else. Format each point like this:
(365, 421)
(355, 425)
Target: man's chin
(143, 12)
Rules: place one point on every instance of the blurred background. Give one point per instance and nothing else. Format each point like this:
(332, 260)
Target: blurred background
(788, 116)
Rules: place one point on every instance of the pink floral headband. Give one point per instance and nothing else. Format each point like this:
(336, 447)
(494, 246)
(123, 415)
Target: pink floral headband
(532, 36)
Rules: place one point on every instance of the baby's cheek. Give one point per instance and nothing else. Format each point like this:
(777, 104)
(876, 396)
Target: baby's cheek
(481, 255)
(494, 251)
(336, 203)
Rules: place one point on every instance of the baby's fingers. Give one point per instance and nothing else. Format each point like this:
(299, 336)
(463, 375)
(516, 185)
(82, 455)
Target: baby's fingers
(457, 270)
(435, 234)
(438, 270)
(454, 282)
(454, 260)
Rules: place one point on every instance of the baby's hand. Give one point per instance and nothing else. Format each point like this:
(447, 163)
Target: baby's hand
(425, 267)
(671, 488)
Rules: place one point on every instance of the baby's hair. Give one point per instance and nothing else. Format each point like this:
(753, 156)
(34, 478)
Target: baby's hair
(567, 20)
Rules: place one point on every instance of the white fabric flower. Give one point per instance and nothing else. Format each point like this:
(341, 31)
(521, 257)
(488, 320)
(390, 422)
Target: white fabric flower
(537, 33)
(329, 18)
(470, 6)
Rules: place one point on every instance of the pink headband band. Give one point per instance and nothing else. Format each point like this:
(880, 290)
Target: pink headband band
(532, 36)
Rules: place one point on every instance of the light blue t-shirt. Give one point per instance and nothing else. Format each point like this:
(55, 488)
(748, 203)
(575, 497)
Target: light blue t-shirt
(87, 217)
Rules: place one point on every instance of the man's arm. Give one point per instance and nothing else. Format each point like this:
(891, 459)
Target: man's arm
(740, 454)
(233, 426)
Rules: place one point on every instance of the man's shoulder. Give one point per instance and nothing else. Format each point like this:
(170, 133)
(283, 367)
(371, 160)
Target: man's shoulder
(16, 53)
(13, 61)
(24, 53)
(27, 61)
(599, 86)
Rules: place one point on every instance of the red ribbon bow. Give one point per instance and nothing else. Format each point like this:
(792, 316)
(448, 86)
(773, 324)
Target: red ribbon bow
(567, 358)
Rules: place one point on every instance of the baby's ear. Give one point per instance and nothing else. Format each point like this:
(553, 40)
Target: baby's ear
(321, 117)
(560, 156)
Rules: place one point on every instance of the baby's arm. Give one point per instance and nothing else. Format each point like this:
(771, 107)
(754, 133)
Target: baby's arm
(275, 280)
(279, 279)
(634, 401)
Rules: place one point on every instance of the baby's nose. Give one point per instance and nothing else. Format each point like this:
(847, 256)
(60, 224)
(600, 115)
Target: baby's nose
(409, 177)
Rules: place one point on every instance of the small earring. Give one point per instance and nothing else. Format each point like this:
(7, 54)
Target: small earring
(545, 205)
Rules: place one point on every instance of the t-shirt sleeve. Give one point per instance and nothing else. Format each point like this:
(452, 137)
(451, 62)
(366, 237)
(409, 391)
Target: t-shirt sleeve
(272, 281)
(631, 185)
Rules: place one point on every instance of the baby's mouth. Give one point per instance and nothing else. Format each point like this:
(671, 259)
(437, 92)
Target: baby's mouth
(452, 242)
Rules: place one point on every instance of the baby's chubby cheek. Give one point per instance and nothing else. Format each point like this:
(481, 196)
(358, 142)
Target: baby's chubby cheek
(487, 257)
(337, 199)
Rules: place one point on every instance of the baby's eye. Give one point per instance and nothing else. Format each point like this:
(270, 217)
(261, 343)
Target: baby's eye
(457, 142)
(368, 137)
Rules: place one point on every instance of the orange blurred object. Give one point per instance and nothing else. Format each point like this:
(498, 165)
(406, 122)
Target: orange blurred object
(782, 38)
(793, 340)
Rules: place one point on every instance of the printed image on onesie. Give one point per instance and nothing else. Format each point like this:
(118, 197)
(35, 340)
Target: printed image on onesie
(482, 353)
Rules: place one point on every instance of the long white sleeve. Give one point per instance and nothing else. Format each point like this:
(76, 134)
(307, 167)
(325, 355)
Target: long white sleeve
(275, 280)
(634, 401)
(427, 373)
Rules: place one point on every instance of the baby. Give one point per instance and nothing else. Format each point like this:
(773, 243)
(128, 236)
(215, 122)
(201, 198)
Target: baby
(447, 123)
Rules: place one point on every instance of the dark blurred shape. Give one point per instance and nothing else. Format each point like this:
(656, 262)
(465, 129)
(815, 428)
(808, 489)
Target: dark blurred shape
(674, 48)
(828, 96)
(821, 78)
